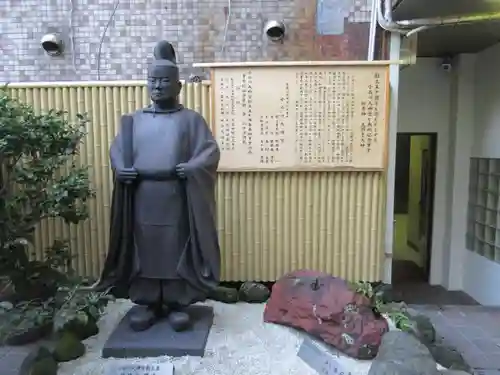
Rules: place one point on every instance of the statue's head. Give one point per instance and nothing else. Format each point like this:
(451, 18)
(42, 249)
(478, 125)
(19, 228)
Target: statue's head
(163, 74)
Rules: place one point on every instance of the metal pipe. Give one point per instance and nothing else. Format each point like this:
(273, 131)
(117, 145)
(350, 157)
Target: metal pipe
(417, 30)
(388, 11)
(373, 31)
(385, 20)
(451, 20)
(384, 16)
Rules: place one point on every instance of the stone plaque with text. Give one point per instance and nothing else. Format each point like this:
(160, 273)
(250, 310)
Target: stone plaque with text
(144, 367)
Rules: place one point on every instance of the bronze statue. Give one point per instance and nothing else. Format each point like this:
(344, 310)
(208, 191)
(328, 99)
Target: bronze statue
(164, 252)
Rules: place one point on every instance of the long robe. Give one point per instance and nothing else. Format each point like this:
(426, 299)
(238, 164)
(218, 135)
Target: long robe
(162, 227)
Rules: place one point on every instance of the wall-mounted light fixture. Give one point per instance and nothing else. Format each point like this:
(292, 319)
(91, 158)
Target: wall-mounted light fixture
(195, 78)
(52, 44)
(275, 30)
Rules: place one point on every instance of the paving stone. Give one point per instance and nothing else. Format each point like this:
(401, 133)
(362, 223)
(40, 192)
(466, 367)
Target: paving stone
(473, 330)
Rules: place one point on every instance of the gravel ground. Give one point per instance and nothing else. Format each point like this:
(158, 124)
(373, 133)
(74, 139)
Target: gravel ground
(240, 343)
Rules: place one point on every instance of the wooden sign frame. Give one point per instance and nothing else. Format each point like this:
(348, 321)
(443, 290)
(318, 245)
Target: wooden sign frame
(383, 127)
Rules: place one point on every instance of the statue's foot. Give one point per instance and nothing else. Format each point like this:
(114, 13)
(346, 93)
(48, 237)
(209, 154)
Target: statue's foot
(179, 320)
(143, 318)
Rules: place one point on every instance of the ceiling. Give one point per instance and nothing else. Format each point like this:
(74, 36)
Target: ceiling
(455, 39)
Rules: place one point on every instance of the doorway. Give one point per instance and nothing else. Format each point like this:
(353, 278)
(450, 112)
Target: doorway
(413, 207)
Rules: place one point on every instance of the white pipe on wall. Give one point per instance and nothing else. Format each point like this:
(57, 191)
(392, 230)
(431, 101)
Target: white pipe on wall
(383, 16)
(386, 21)
(451, 20)
(373, 32)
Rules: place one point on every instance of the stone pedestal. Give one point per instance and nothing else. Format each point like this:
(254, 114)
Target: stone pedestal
(161, 339)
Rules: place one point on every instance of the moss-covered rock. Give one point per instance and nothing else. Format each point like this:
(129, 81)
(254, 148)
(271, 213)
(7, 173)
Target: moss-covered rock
(254, 292)
(423, 328)
(44, 366)
(223, 294)
(448, 356)
(445, 355)
(39, 362)
(80, 330)
(27, 333)
(43, 352)
(68, 347)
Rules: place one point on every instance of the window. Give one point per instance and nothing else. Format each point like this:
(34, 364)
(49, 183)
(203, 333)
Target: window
(483, 218)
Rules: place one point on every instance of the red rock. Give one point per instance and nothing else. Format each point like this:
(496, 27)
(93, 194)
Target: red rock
(325, 307)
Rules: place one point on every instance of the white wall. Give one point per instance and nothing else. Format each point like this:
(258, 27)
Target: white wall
(461, 138)
(433, 100)
(487, 104)
(463, 107)
(482, 276)
(424, 107)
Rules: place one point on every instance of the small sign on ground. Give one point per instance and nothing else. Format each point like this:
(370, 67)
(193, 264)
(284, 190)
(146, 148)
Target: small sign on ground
(324, 361)
(143, 367)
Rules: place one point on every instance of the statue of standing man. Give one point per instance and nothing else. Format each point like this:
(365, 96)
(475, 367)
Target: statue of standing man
(164, 252)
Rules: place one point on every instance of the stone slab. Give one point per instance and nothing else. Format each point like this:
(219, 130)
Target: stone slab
(144, 367)
(161, 339)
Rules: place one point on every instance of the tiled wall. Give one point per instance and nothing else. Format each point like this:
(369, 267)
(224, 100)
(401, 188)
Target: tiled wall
(316, 30)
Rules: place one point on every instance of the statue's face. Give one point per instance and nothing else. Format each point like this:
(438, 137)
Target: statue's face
(163, 83)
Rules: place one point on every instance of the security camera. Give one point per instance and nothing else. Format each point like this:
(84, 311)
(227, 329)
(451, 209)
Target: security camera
(446, 67)
(447, 64)
(275, 30)
(52, 44)
(195, 78)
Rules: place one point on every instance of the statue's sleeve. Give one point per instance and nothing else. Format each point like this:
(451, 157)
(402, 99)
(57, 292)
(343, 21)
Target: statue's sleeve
(119, 266)
(115, 152)
(205, 153)
(200, 265)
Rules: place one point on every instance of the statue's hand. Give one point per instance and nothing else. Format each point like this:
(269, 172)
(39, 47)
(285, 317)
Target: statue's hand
(180, 171)
(126, 175)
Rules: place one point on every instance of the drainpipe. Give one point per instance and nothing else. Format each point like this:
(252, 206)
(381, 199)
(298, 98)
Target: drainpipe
(383, 9)
(384, 16)
(385, 22)
(452, 20)
(385, 19)
(429, 23)
(373, 32)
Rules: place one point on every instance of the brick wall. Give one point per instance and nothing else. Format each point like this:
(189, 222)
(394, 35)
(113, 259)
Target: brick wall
(316, 30)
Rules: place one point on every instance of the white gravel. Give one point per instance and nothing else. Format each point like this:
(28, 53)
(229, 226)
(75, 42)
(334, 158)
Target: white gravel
(240, 343)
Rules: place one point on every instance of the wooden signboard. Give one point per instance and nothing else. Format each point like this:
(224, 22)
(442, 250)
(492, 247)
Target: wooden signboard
(301, 117)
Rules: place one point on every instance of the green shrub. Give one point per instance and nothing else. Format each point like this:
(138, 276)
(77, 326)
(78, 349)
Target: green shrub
(39, 179)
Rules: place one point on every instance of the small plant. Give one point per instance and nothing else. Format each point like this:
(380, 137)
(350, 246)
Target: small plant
(25, 320)
(397, 314)
(79, 307)
(366, 289)
(401, 320)
(73, 311)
